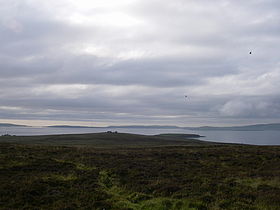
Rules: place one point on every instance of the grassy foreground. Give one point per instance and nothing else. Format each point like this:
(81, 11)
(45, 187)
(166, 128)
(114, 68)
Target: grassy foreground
(98, 171)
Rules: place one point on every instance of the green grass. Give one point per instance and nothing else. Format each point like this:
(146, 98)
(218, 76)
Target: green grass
(57, 177)
(155, 174)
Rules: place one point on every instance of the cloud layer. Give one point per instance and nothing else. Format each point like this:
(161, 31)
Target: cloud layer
(132, 62)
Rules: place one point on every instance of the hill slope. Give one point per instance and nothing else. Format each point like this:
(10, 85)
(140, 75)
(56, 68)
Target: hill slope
(107, 139)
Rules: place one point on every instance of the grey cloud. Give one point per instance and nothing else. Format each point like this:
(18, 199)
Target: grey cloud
(186, 45)
(165, 72)
(252, 107)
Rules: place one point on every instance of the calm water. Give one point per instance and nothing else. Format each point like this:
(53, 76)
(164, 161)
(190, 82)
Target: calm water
(246, 137)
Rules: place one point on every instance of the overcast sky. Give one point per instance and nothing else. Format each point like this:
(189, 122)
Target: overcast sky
(108, 62)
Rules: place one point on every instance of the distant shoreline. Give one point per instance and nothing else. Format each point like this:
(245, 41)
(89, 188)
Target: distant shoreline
(256, 127)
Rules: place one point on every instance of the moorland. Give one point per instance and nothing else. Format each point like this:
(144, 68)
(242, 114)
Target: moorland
(128, 171)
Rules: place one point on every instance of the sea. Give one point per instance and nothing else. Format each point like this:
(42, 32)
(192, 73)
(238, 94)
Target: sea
(243, 137)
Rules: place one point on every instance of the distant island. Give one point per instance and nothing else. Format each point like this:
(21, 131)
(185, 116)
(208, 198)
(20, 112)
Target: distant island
(11, 125)
(121, 126)
(147, 126)
(70, 126)
(256, 127)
